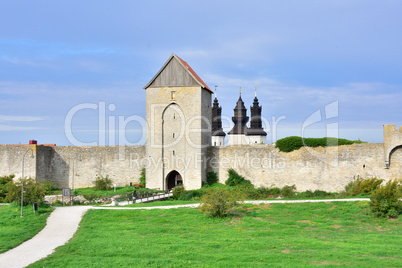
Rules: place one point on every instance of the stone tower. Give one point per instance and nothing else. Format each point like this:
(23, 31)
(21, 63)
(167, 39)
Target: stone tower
(218, 136)
(256, 134)
(237, 135)
(178, 116)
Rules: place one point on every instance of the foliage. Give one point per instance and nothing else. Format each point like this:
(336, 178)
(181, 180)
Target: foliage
(49, 186)
(177, 192)
(288, 191)
(4, 184)
(361, 186)
(292, 143)
(218, 203)
(34, 191)
(191, 195)
(15, 230)
(143, 178)
(91, 197)
(235, 179)
(332, 234)
(385, 200)
(212, 178)
(103, 183)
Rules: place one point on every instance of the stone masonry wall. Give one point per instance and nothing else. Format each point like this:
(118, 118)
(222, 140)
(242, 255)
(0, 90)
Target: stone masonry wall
(11, 160)
(328, 169)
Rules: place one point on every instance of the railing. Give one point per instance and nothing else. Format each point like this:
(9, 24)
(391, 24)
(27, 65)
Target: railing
(143, 196)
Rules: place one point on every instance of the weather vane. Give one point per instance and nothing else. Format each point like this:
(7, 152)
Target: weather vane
(215, 90)
(256, 90)
(240, 90)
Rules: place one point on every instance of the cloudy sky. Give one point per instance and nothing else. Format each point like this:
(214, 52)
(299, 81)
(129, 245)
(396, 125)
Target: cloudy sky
(73, 72)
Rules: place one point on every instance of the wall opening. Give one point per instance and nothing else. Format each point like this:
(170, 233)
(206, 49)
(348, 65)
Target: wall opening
(173, 179)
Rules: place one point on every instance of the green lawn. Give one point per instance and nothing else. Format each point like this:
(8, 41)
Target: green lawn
(285, 235)
(14, 230)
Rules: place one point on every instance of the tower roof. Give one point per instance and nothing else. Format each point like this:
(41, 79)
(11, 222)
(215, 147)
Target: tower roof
(168, 75)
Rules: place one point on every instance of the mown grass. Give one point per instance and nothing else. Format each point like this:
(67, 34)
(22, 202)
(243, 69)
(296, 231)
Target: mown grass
(285, 235)
(14, 230)
(163, 203)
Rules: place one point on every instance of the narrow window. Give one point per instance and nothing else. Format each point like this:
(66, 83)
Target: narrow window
(173, 135)
(174, 116)
(173, 152)
(172, 95)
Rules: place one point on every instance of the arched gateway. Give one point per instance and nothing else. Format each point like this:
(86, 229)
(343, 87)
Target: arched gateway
(173, 179)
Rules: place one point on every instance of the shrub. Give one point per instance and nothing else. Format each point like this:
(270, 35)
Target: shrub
(190, 195)
(218, 202)
(212, 178)
(288, 191)
(4, 184)
(385, 200)
(34, 191)
(362, 186)
(91, 197)
(293, 143)
(50, 186)
(235, 179)
(142, 178)
(103, 183)
(177, 192)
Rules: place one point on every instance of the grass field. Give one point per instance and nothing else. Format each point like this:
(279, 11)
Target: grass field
(14, 230)
(285, 235)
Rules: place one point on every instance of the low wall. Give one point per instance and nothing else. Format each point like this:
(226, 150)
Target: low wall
(328, 169)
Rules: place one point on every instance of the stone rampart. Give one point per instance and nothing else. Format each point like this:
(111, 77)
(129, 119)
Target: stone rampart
(328, 169)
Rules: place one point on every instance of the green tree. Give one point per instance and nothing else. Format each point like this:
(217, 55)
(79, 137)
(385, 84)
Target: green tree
(34, 191)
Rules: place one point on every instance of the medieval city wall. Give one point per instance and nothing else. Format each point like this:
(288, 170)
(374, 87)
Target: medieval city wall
(11, 160)
(328, 169)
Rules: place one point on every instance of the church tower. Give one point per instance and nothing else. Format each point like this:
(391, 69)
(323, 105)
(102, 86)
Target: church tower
(237, 134)
(256, 134)
(178, 116)
(218, 136)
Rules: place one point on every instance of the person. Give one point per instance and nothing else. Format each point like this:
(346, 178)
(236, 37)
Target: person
(134, 196)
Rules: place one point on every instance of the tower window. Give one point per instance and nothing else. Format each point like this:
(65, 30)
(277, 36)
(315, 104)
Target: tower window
(174, 116)
(172, 95)
(173, 135)
(173, 152)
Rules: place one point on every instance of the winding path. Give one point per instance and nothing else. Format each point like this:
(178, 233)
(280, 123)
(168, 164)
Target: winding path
(64, 221)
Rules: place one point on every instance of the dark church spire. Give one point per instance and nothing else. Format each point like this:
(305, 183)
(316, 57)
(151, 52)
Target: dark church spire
(216, 119)
(240, 118)
(255, 122)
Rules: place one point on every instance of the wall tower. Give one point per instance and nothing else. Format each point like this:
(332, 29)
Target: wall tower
(178, 115)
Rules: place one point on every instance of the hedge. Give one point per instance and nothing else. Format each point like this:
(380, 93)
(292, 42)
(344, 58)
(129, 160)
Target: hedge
(292, 143)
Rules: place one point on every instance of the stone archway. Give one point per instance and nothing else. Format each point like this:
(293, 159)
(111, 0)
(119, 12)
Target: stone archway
(173, 179)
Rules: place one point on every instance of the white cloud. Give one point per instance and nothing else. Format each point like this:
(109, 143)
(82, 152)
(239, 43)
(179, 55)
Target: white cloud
(14, 128)
(11, 118)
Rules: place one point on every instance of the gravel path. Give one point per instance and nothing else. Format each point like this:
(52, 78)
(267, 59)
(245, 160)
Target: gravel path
(64, 221)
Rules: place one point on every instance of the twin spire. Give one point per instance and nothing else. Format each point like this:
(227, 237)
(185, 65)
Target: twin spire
(240, 120)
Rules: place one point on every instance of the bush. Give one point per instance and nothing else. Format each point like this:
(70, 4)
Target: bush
(293, 143)
(212, 178)
(384, 201)
(361, 186)
(190, 195)
(91, 197)
(34, 191)
(50, 186)
(235, 179)
(177, 192)
(103, 183)
(218, 202)
(288, 191)
(4, 184)
(142, 178)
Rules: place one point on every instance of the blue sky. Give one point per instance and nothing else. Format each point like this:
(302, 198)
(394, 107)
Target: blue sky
(304, 55)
